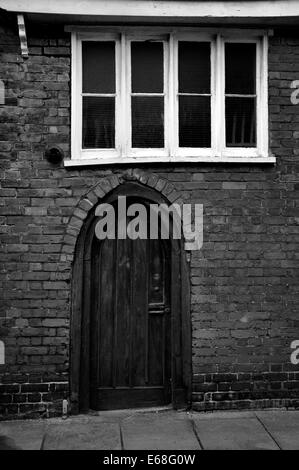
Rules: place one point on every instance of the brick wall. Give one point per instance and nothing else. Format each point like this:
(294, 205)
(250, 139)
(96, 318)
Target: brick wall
(244, 298)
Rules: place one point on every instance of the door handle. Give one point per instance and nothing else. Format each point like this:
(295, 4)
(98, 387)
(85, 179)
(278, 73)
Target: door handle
(159, 311)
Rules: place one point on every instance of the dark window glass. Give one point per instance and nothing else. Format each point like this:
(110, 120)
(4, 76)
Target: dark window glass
(98, 66)
(240, 122)
(148, 121)
(194, 67)
(98, 122)
(156, 291)
(147, 67)
(194, 121)
(240, 68)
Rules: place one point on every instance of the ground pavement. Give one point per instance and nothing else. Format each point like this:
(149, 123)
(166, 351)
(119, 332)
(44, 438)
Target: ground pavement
(156, 429)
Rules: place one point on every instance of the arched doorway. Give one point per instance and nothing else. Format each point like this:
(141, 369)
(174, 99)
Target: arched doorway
(130, 342)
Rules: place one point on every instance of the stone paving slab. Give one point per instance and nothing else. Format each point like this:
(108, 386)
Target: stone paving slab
(233, 434)
(27, 435)
(79, 436)
(283, 426)
(156, 431)
(210, 415)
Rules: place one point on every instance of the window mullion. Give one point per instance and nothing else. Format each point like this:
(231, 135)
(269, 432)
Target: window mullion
(121, 110)
(262, 96)
(214, 123)
(166, 123)
(77, 108)
(173, 106)
(218, 125)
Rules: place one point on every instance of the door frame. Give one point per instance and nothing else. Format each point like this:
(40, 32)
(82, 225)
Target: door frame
(181, 364)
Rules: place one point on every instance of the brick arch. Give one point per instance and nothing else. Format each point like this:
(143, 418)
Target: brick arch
(105, 185)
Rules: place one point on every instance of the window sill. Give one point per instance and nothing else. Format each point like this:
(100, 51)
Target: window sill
(138, 160)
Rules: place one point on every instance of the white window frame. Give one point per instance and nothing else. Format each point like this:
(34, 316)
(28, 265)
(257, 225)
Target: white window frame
(192, 153)
(87, 155)
(146, 153)
(123, 152)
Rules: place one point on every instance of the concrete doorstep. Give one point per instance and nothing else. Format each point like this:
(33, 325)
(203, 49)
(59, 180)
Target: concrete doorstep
(156, 430)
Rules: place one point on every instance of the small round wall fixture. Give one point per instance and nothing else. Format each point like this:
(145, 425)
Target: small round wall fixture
(54, 154)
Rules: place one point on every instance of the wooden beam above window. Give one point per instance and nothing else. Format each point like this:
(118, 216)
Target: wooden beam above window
(160, 8)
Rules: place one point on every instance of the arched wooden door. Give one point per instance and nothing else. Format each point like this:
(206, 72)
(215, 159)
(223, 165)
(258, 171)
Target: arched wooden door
(130, 323)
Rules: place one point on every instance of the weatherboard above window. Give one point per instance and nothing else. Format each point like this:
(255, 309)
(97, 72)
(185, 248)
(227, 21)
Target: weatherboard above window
(182, 95)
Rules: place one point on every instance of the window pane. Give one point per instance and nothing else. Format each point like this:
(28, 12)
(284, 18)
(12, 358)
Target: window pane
(194, 121)
(148, 121)
(240, 122)
(98, 122)
(156, 284)
(98, 66)
(194, 67)
(147, 67)
(240, 67)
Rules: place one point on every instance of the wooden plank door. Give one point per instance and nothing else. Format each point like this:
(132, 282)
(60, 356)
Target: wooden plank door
(130, 324)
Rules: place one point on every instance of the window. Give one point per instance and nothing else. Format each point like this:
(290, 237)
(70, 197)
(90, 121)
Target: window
(169, 96)
(147, 94)
(194, 94)
(98, 94)
(240, 94)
